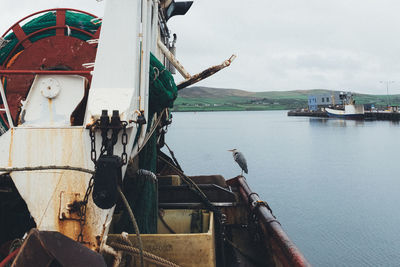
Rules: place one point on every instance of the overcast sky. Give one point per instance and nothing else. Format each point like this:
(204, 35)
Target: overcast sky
(281, 45)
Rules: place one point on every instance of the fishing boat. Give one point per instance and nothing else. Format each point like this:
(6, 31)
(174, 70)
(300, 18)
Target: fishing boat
(83, 181)
(349, 110)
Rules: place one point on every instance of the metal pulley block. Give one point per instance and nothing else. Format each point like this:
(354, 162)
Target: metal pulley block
(108, 174)
(107, 178)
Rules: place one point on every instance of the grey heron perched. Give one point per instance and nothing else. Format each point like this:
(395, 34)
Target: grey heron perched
(240, 159)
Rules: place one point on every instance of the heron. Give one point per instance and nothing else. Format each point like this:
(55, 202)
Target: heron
(240, 159)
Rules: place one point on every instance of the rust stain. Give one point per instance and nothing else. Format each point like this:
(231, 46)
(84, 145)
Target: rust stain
(98, 240)
(70, 228)
(50, 109)
(52, 199)
(73, 182)
(10, 150)
(70, 153)
(91, 122)
(104, 227)
(52, 137)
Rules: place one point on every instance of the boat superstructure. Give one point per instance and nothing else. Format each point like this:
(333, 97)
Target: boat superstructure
(46, 133)
(350, 109)
(84, 114)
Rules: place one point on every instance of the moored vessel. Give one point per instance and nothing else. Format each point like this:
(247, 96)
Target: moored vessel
(349, 109)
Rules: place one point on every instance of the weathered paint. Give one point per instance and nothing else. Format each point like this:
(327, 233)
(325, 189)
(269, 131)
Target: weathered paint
(42, 144)
(205, 73)
(67, 202)
(174, 61)
(117, 72)
(42, 190)
(10, 150)
(52, 100)
(184, 248)
(65, 51)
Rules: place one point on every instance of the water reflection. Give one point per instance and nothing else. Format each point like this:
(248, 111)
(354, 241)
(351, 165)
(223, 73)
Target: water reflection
(335, 122)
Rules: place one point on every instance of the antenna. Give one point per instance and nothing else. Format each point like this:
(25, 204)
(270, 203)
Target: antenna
(387, 91)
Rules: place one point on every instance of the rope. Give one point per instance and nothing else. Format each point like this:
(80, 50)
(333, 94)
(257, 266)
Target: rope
(161, 216)
(147, 137)
(149, 256)
(156, 73)
(186, 179)
(9, 258)
(218, 215)
(50, 167)
(135, 226)
(173, 157)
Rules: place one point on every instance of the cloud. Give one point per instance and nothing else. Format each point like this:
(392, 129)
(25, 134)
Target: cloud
(12, 11)
(288, 44)
(281, 45)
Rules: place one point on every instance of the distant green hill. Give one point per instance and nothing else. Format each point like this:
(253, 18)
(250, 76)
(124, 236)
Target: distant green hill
(217, 99)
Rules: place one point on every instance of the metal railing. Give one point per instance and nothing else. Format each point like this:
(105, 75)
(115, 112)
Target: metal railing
(6, 108)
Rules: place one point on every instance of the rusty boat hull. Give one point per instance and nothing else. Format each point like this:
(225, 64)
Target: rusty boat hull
(83, 182)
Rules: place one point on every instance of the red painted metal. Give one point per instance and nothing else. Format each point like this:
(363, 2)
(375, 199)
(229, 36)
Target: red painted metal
(21, 36)
(47, 72)
(97, 33)
(283, 248)
(40, 57)
(8, 259)
(43, 55)
(43, 30)
(45, 11)
(60, 21)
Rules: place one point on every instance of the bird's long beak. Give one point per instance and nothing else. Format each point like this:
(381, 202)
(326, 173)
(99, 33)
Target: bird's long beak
(230, 150)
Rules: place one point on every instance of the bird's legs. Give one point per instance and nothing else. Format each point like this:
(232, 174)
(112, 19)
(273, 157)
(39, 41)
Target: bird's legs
(242, 173)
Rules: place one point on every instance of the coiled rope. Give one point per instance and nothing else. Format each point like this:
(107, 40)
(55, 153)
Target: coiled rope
(124, 244)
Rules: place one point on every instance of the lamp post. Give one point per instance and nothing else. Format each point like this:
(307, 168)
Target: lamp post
(387, 90)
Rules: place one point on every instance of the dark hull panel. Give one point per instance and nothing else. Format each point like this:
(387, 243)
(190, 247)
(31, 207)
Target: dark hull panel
(282, 250)
(347, 116)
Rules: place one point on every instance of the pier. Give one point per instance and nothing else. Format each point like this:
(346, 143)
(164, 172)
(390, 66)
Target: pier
(368, 115)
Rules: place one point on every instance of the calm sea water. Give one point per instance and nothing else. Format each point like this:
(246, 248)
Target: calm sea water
(334, 185)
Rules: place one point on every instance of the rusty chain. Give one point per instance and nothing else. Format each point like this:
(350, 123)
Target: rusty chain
(92, 135)
(124, 141)
(93, 155)
(82, 209)
(83, 203)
